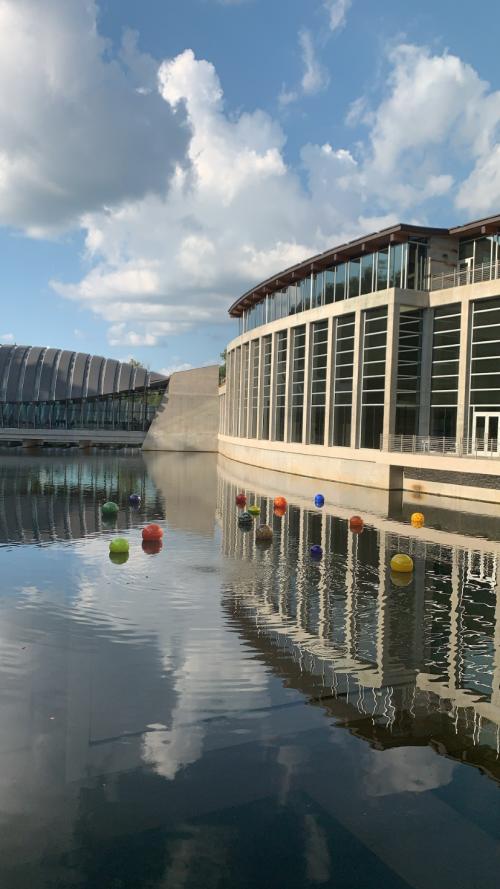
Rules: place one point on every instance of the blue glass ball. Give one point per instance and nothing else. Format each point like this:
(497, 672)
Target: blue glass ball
(135, 499)
(316, 551)
(319, 500)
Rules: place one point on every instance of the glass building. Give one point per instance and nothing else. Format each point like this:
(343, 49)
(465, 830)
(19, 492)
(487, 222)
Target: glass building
(42, 388)
(392, 337)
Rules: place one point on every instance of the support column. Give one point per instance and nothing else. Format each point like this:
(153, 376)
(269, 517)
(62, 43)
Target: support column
(356, 381)
(391, 371)
(272, 383)
(463, 373)
(289, 365)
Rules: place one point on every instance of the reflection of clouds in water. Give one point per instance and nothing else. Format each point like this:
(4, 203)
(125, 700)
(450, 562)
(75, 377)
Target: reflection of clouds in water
(318, 860)
(406, 770)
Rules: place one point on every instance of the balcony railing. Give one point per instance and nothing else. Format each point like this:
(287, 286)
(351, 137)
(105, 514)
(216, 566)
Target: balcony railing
(486, 271)
(436, 446)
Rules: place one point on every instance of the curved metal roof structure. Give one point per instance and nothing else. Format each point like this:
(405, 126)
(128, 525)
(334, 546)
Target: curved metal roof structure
(38, 373)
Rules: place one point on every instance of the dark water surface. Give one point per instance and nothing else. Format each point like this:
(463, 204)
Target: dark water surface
(220, 714)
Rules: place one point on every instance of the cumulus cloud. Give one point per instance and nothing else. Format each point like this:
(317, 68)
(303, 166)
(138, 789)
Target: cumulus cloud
(185, 203)
(79, 128)
(337, 12)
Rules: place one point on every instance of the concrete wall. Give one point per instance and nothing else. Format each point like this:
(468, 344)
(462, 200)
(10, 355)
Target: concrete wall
(188, 418)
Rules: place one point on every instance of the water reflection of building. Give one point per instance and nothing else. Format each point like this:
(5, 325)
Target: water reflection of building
(44, 498)
(399, 665)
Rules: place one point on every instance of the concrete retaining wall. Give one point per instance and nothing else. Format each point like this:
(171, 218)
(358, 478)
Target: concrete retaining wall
(188, 418)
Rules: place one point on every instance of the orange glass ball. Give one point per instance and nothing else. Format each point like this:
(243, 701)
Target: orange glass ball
(280, 503)
(417, 519)
(152, 532)
(356, 523)
(279, 513)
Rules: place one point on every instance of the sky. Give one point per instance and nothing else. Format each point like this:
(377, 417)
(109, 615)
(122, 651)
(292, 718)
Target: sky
(159, 158)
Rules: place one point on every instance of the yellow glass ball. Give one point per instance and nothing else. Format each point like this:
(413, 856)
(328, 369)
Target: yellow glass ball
(402, 563)
(254, 509)
(417, 519)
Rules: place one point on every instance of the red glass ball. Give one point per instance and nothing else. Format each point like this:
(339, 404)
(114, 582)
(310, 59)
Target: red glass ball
(241, 500)
(152, 532)
(356, 523)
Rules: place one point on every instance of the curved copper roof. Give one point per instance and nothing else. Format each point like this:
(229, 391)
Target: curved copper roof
(368, 243)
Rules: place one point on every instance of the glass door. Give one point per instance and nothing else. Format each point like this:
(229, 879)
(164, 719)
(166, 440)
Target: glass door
(485, 434)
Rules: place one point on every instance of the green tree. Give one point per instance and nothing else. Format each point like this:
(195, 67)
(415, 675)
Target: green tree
(222, 367)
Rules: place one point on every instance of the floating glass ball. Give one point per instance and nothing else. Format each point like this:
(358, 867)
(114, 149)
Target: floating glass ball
(241, 500)
(110, 508)
(119, 545)
(254, 509)
(279, 513)
(417, 519)
(152, 532)
(264, 533)
(402, 563)
(280, 503)
(245, 521)
(316, 551)
(135, 499)
(319, 500)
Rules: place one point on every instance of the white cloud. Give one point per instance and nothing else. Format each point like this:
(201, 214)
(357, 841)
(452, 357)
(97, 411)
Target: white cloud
(7, 338)
(175, 368)
(315, 76)
(337, 12)
(76, 123)
(170, 252)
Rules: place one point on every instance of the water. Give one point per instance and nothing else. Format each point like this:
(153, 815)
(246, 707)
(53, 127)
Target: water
(222, 714)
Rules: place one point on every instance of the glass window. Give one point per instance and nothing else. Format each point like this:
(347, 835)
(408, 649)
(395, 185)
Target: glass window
(342, 377)
(367, 274)
(340, 275)
(444, 388)
(293, 299)
(319, 347)
(297, 383)
(318, 290)
(266, 386)
(354, 275)
(254, 388)
(329, 285)
(243, 428)
(280, 385)
(373, 378)
(396, 265)
(382, 269)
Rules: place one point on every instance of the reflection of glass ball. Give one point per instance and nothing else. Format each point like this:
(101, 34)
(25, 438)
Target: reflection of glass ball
(245, 520)
(135, 499)
(417, 519)
(152, 532)
(279, 513)
(316, 551)
(151, 547)
(118, 558)
(280, 503)
(319, 500)
(263, 534)
(109, 509)
(402, 563)
(400, 578)
(241, 500)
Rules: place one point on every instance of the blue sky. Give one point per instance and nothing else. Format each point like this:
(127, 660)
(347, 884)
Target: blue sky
(157, 158)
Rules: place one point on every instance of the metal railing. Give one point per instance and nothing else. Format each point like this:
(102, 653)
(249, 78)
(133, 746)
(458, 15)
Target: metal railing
(485, 271)
(435, 446)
